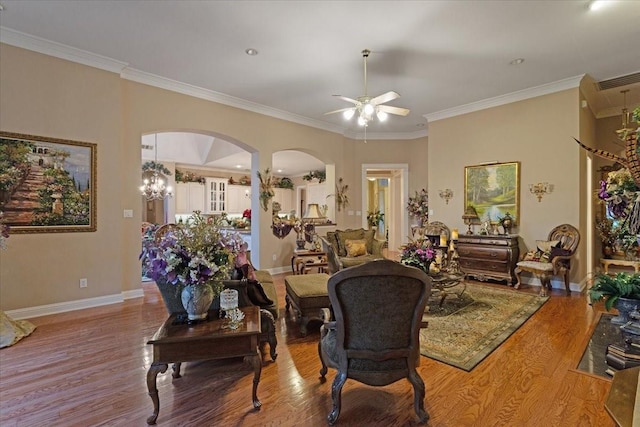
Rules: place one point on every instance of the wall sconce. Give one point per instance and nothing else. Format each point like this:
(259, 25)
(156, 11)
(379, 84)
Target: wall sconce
(540, 189)
(446, 194)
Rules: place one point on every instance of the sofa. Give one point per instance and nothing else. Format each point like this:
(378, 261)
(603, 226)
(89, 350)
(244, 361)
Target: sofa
(348, 248)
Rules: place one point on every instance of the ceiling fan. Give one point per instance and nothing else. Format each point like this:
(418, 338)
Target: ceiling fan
(367, 106)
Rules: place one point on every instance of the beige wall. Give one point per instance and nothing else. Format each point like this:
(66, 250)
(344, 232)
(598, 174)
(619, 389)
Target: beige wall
(536, 132)
(42, 95)
(46, 96)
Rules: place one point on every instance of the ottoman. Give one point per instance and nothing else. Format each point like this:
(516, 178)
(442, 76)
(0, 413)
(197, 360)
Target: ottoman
(307, 294)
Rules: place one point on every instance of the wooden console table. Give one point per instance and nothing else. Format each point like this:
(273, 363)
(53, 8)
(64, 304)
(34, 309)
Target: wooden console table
(489, 257)
(619, 262)
(177, 342)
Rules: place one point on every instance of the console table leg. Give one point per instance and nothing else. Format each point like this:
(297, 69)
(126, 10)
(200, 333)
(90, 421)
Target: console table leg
(256, 362)
(153, 372)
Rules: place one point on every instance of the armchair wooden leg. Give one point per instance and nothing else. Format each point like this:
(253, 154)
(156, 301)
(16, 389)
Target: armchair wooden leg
(418, 395)
(567, 283)
(336, 391)
(517, 272)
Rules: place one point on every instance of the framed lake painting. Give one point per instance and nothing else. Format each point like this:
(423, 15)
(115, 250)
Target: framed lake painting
(493, 190)
(47, 185)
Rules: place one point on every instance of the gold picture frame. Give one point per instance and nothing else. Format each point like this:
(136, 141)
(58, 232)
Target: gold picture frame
(47, 185)
(493, 190)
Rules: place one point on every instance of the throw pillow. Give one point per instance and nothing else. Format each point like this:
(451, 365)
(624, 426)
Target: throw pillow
(546, 245)
(531, 256)
(345, 235)
(356, 248)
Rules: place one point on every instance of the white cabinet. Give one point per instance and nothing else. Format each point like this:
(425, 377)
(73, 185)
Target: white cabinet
(238, 198)
(216, 195)
(284, 196)
(189, 197)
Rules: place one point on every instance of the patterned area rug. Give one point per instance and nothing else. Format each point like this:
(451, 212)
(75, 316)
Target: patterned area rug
(469, 327)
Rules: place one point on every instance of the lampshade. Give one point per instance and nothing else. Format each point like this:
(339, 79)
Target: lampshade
(313, 212)
(470, 214)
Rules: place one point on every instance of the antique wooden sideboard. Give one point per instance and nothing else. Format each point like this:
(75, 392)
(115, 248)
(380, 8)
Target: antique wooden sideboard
(489, 257)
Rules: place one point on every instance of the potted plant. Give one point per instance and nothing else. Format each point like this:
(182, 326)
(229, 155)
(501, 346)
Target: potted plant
(621, 291)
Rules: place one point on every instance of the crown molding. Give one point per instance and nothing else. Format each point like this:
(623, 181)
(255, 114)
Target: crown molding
(58, 50)
(560, 85)
(359, 135)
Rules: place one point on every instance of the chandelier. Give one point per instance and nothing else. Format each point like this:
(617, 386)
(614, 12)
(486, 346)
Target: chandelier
(153, 186)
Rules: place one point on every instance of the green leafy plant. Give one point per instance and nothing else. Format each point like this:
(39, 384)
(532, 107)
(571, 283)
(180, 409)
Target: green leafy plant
(611, 288)
(285, 183)
(321, 176)
(154, 166)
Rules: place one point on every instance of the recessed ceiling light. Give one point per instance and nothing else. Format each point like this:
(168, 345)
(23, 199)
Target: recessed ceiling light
(599, 4)
(238, 166)
(517, 61)
(251, 51)
(280, 170)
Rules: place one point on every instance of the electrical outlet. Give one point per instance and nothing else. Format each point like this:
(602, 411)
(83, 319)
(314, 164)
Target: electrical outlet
(128, 213)
(83, 283)
(275, 257)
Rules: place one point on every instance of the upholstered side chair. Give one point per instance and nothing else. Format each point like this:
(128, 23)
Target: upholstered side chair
(564, 240)
(374, 339)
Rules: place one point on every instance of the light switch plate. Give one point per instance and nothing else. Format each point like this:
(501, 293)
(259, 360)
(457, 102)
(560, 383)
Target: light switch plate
(128, 213)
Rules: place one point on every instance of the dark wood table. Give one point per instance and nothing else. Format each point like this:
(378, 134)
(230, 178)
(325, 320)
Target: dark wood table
(176, 342)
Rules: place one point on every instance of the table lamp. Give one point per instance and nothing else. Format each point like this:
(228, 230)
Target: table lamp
(470, 215)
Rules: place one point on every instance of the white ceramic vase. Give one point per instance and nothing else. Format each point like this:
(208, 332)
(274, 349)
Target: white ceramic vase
(196, 300)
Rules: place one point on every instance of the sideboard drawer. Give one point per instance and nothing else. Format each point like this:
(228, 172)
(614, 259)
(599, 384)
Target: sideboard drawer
(483, 252)
(481, 265)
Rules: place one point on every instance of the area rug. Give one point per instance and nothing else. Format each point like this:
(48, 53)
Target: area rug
(467, 328)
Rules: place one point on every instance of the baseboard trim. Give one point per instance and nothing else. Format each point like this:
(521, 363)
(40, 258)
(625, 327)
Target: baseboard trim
(63, 307)
(555, 284)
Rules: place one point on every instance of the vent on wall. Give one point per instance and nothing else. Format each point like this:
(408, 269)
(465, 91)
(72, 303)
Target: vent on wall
(618, 81)
(147, 147)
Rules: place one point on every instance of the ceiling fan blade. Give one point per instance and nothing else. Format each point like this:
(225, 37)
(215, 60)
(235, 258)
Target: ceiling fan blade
(340, 110)
(394, 110)
(344, 98)
(385, 97)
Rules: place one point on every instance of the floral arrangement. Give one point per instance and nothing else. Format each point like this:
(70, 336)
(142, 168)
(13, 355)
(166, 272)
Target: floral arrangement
(418, 253)
(374, 218)
(619, 192)
(247, 214)
(188, 176)
(155, 166)
(608, 232)
(198, 253)
(418, 205)
(4, 232)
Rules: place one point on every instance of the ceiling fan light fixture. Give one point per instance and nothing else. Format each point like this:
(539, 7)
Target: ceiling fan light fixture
(348, 114)
(368, 109)
(382, 116)
(362, 121)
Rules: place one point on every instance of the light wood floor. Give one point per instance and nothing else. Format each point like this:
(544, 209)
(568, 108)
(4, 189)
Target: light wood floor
(88, 368)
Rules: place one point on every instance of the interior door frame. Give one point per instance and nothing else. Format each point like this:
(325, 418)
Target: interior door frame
(398, 194)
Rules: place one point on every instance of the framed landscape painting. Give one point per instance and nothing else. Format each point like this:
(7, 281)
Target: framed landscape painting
(47, 185)
(493, 190)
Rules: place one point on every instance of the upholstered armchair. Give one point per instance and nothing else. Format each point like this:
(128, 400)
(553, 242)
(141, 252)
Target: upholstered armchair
(347, 248)
(374, 339)
(551, 258)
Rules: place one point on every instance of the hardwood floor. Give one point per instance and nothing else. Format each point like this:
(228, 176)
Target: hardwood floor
(88, 368)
